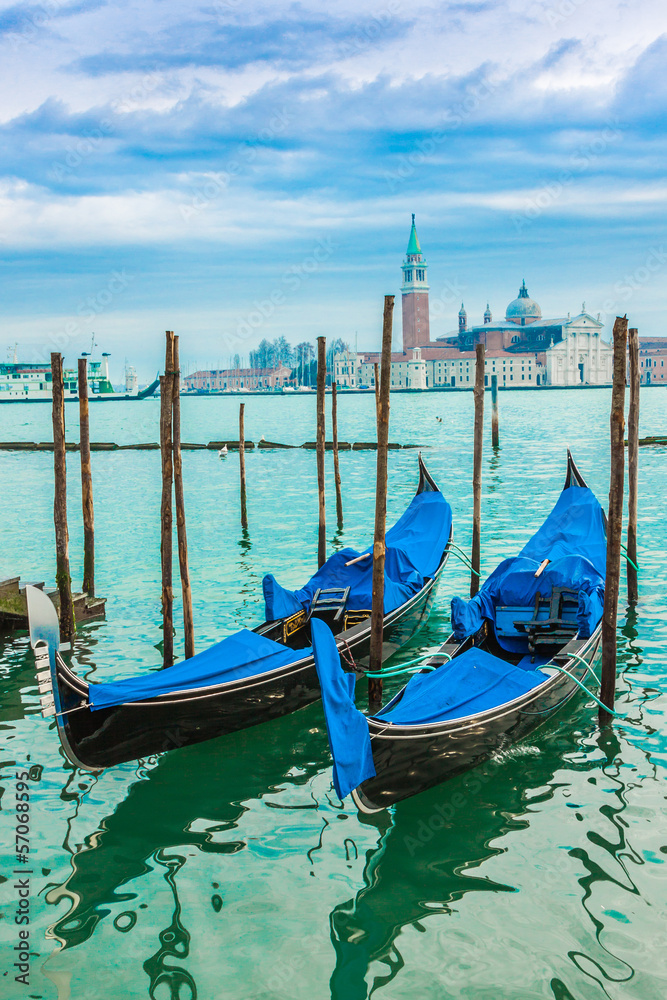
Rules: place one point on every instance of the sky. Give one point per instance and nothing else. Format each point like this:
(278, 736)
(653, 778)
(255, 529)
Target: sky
(235, 171)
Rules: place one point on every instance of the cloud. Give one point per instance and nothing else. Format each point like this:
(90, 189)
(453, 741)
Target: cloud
(228, 133)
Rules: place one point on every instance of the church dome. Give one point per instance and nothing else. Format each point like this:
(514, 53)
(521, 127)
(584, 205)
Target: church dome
(523, 309)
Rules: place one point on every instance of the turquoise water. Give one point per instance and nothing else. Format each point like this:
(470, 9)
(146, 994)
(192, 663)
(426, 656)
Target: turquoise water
(230, 869)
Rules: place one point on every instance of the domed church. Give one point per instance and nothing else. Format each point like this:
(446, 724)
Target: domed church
(570, 349)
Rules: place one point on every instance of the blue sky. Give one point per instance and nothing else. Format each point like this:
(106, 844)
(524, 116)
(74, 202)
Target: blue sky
(236, 173)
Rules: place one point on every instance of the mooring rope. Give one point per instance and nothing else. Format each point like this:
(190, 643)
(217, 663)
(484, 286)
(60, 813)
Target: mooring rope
(462, 557)
(408, 668)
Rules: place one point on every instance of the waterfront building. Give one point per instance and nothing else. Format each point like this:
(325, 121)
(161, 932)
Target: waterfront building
(231, 379)
(570, 349)
(32, 382)
(653, 360)
(444, 367)
(523, 349)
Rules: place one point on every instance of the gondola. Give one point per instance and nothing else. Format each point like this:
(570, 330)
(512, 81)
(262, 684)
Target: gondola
(255, 675)
(519, 650)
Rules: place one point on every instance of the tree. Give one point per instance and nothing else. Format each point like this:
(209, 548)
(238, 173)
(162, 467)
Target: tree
(283, 352)
(237, 361)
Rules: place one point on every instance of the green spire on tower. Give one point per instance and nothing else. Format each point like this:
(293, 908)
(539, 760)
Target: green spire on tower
(413, 242)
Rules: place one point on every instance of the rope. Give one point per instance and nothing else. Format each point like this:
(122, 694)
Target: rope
(462, 557)
(408, 668)
(627, 557)
(583, 687)
(347, 655)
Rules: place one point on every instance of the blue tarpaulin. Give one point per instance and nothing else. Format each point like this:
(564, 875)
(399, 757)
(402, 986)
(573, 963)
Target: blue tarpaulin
(414, 545)
(473, 682)
(347, 727)
(573, 537)
(243, 654)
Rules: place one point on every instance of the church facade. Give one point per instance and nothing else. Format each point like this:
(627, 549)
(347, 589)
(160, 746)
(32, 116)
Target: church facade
(522, 350)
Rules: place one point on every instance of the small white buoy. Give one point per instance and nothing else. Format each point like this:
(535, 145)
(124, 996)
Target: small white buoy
(223, 451)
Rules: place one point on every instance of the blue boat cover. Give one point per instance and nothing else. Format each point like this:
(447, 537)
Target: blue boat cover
(573, 537)
(240, 655)
(414, 547)
(473, 682)
(347, 727)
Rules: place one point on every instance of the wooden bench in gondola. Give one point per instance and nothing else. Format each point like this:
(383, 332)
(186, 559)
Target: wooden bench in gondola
(554, 621)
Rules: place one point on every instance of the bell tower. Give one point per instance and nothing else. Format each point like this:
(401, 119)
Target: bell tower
(414, 291)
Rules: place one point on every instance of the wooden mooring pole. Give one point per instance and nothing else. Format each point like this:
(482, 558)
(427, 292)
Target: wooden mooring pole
(495, 440)
(334, 438)
(614, 522)
(376, 369)
(86, 483)
(377, 613)
(477, 468)
(633, 464)
(321, 395)
(166, 517)
(244, 509)
(188, 623)
(63, 579)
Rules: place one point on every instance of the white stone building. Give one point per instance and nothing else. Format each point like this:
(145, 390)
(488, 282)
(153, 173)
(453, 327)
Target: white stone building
(582, 357)
(441, 367)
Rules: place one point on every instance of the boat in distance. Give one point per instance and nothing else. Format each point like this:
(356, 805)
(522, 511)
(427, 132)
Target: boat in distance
(519, 650)
(255, 675)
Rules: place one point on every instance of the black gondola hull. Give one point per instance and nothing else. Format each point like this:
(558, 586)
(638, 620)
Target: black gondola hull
(409, 760)
(108, 736)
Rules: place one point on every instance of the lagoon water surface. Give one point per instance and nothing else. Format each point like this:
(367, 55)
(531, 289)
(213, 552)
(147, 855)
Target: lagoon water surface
(230, 869)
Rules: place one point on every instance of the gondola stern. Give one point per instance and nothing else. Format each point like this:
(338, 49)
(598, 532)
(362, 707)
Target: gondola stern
(427, 483)
(573, 477)
(45, 641)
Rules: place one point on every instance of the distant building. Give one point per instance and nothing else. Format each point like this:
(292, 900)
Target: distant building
(238, 378)
(652, 358)
(442, 367)
(414, 295)
(32, 381)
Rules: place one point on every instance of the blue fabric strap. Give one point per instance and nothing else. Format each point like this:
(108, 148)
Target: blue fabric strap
(347, 728)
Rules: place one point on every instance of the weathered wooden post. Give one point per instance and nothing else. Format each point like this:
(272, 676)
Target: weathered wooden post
(376, 369)
(377, 613)
(166, 517)
(334, 438)
(477, 468)
(244, 510)
(63, 579)
(188, 624)
(633, 464)
(614, 522)
(321, 395)
(494, 411)
(86, 483)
